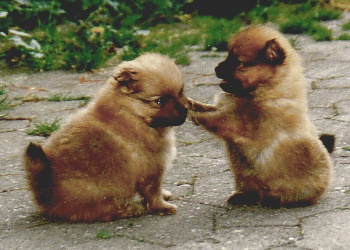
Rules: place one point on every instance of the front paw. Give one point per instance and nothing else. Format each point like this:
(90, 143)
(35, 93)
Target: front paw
(191, 104)
(167, 195)
(200, 107)
(163, 209)
(192, 117)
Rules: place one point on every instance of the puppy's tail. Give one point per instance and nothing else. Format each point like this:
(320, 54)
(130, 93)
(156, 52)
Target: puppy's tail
(39, 173)
(328, 141)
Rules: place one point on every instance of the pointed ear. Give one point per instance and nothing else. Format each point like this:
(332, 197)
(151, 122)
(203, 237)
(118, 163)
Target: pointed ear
(273, 52)
(126, 79)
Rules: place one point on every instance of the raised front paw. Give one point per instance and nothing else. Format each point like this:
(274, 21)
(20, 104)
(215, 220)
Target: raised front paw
(191, 115)
(200, 107)
(191, 104)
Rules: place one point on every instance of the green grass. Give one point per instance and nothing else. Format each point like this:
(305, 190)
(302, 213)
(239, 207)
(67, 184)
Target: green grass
(44, 129)
(346, 26)
(4, 102)
(66, 98)
(58, 97)
(2, 90)
(320, 33)
(294, 43)
(335, 109)
(305, 18)
(344, 37)
(110, 31)
(138, 239)
(29, 98)
(208, 33)
(172, 40)
(103, 234)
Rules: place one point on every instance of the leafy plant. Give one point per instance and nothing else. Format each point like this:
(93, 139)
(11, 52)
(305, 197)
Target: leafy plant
(30, 14)
(96, 30)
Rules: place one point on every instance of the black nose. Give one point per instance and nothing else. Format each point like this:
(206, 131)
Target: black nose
(182, 118)
(181, 109)
(226, 68)
(223, 69)
(183, 112)
(182, 115)
(220, 70)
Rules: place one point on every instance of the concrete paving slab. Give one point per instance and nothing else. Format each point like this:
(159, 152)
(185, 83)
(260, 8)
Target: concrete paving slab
(200, 178)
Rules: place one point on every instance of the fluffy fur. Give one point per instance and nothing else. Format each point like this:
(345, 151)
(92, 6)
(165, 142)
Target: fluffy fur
(116, 147)
(276, 156)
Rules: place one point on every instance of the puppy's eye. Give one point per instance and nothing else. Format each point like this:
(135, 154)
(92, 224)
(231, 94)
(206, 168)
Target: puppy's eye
(160, 102)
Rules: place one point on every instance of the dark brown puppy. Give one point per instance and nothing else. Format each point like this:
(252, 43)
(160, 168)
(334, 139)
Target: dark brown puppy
(276, 156)
(119, 145)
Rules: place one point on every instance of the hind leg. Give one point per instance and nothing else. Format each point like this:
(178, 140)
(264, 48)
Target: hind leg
(247, 191)
(302, 175)
(107, 210)
(244, 198)
(290, 193)
(83, 200)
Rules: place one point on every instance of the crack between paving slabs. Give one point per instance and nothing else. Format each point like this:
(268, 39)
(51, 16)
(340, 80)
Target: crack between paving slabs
(4, 118)
(188, 143)
(291, 241)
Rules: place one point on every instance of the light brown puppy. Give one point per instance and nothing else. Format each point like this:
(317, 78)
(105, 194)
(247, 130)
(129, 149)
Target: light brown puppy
(276, 156)
(119, 145)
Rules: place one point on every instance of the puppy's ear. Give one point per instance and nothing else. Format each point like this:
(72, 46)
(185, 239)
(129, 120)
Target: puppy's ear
(126, 79)
(273, 53)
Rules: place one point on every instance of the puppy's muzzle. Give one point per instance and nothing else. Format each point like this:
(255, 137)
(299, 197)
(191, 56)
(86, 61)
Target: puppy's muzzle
(176, 118)
(225, 70)
(222, 71)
